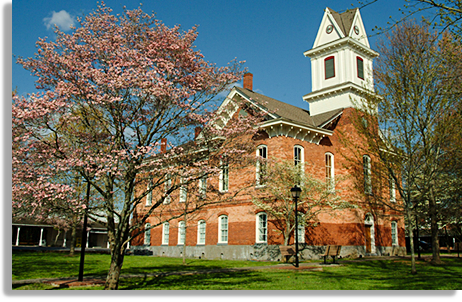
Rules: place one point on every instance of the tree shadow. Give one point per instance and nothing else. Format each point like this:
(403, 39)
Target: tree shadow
(220, 280)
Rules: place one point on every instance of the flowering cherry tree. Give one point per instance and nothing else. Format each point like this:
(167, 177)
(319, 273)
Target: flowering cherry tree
(114, 89)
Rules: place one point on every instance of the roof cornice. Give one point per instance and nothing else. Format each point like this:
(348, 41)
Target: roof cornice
(339, 44)
(340, 88)
(287, 128)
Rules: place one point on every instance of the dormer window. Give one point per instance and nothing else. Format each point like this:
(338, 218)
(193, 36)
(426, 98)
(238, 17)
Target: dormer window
(329, 67)
(360, 67)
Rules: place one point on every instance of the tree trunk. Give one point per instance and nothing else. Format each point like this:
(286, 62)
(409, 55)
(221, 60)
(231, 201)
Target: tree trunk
(411, 241)
(117, 259)
(184, 243)
(73, 236)
(55, 243)
(434, 229)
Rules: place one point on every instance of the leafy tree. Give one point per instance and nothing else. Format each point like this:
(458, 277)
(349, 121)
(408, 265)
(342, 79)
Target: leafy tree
(275, 199)
(129, 82)
(408, 126)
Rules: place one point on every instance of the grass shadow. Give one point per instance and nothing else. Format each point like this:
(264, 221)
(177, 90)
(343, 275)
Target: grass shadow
(204, 281)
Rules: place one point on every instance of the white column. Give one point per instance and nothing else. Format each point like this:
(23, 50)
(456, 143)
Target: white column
(41, 236)
(17, 236)
(88, 238)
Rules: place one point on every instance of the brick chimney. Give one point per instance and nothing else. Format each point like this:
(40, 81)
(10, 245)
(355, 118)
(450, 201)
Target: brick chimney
(197, 131)
(163, 145)
(248, 81)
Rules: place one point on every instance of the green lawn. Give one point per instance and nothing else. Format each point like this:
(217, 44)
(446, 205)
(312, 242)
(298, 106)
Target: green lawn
(354, 275)
(33, 265)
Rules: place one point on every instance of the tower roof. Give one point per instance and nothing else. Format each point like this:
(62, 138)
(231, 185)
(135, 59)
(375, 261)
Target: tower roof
(344, 20)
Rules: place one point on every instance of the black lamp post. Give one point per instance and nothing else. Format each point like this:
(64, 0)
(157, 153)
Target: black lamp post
(296, 191)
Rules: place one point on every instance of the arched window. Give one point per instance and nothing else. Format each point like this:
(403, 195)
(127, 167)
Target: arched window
(330, 181)
(262, 228)
(301, 228)
(165, 233)
(223, 229)
(203, 187)
(201, 232)
(262, 156)
(147, 234)
(167, 186)
(181, 232)
(183, 191)
(360, 67)
(394, 233)
(224, 175)
(149, 196)
(367, 174)
(329, 67)
(392, 189)
(299, 160)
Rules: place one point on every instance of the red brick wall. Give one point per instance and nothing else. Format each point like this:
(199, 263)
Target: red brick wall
(345, 228)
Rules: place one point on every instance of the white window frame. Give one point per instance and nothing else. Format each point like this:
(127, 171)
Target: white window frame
(147, 234)
(165, 233)
(394, 233)
(224, 176)
(301, 161)
(261, 228)
(183, 192)
(181, 232)
(261, 164)
(167, 186)
(149, 195)
(223, 229)
(367, 174)
(330, 171)
(201, 228)
(302, 155)
(392, 189)
(203, 187)
(301, 228)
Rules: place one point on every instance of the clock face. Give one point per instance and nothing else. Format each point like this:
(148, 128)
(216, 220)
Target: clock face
(329, 28)
(356, 29)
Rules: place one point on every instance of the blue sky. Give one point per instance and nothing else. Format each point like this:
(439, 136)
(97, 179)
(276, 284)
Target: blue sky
(270, 36)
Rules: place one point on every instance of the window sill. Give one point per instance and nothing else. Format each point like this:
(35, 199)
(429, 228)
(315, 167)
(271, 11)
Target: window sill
(222, 243)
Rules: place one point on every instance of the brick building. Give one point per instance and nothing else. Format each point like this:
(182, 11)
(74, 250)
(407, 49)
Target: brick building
(341, 61)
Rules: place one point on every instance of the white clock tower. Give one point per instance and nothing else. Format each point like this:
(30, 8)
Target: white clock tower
(341, 63)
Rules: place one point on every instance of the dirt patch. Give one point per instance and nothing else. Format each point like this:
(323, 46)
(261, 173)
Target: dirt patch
(75, 283)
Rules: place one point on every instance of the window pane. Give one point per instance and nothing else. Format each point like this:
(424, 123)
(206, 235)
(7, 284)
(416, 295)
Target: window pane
(367, 174)
(329, 66)
(166, 233)
(262, 227)
(201, 232)
(360, 64)
(297, 155)
(181, 232)
(224, 229)
(261, 164)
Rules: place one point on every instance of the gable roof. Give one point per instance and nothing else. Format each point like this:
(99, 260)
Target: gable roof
(287, 111)
(344, 20)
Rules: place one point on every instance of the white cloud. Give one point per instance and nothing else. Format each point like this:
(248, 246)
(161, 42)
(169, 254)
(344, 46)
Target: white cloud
(61, 19)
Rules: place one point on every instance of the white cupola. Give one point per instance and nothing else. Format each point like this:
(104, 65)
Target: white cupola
(341, 63)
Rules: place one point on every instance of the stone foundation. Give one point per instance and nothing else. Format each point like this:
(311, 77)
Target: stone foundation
(261, 252)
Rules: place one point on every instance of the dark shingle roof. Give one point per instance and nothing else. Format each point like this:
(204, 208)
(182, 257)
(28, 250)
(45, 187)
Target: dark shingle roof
(344, 20)
(288, 111)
